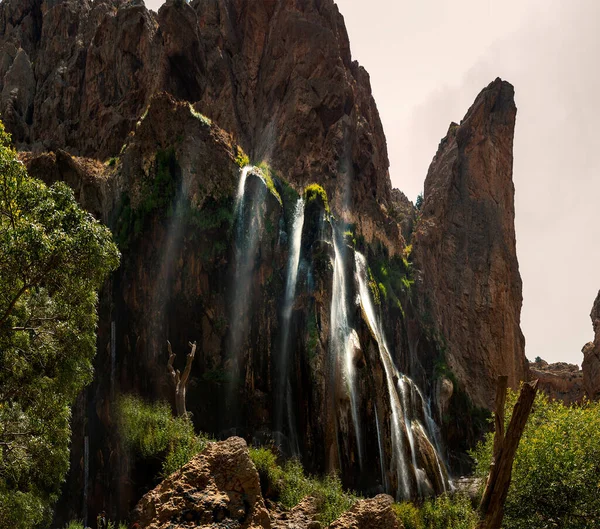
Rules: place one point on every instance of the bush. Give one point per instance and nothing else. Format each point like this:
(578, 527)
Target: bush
(151, 431)
(292, 485)
(443, 512)
(556, 473)
(314, 192)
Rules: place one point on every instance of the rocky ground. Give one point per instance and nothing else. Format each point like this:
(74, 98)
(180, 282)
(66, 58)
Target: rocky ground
(221, 489)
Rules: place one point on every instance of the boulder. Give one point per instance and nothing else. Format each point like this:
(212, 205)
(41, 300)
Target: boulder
(373, 513)
(218, 488)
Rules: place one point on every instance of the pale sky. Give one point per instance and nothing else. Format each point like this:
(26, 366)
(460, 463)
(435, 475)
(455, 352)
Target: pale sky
(428, 59)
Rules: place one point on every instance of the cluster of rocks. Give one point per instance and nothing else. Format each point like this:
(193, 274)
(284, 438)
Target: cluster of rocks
(220, 489)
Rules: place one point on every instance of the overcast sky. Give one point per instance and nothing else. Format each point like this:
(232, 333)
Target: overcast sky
(428, 60)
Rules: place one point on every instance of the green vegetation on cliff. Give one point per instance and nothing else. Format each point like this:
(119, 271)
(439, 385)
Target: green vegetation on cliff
(55, 257)
(157, 195)
(556, 473)
(316, 192)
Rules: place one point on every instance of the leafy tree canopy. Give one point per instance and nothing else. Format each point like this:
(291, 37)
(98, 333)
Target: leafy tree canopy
(54, 258)
(556, 473)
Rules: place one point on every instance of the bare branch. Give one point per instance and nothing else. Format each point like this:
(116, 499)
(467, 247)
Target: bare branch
(188, 364)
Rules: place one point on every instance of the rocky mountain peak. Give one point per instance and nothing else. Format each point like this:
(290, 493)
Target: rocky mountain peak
(464, 248)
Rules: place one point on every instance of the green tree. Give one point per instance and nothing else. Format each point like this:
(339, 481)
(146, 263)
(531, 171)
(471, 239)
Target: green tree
(419, 202)
(54, 257)
(556, 473)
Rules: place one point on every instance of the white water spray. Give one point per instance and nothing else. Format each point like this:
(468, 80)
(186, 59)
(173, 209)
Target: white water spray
(343, 339)
(285, 392)
(399, 463)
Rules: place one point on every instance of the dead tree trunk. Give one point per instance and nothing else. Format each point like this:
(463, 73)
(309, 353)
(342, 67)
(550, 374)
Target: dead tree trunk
(180, 381)
(505, 448)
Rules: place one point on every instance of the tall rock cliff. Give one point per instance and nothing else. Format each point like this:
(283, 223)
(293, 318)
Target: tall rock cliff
(277, 75)
(310, 331)
(464, 248)
(591, 356)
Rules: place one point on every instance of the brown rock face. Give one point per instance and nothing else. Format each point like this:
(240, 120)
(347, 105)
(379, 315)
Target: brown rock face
(591, 356)
(559, 381)
(279, 76)
(218, 488)
(464, 247)
(368, 514)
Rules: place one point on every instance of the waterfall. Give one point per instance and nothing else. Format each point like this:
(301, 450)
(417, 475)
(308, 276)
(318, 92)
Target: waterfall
(404, 409)
(409, 431)
(399, 463)
(249, 227)
(343, 339)
(86, 477)
(239, 197)
(284, 386)
(113, 357)
(384, 481)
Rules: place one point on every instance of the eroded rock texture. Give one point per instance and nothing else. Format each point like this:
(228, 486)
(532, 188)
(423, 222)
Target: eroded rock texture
(279, 76)
(464, 248)
(560, 381)
(367, 514)
(219, 486)
(591, 356)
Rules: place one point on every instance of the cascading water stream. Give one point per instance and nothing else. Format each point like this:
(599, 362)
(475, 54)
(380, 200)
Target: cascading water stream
(399, 463)
(239, 197)
(284, 385)
(249, 227)
(113, 357)
(384, 480)
(343, 339)
(404, 396)
(86, 477)
(409, 431)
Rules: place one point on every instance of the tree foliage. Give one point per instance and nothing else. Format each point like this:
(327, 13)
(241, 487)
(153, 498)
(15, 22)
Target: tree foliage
(556, 473)
(54, 258)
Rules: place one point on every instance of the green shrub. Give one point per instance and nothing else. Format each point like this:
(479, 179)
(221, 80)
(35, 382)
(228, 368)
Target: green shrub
(556, 472)
(443, 512)
(268, 175)
(292, 485)
(314, 192)
(74, 524)
(151, 431)
(242, 158)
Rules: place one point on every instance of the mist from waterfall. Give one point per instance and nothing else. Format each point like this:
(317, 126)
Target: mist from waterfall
(284, 390)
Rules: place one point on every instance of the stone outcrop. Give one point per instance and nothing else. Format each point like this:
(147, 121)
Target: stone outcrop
(218, 488)
(464, 248)
(591, 356)
(76, 75)
(560, 381)
(367, 514)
